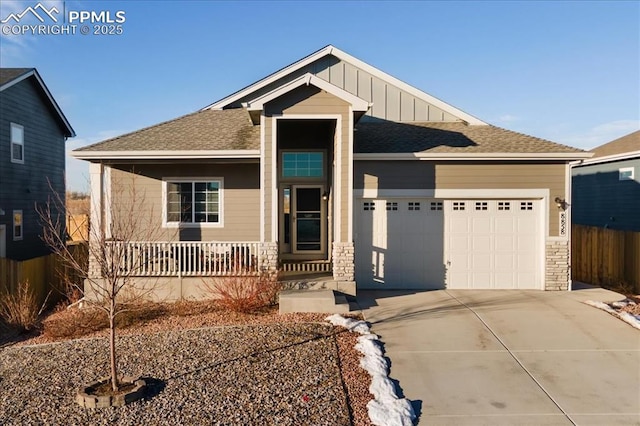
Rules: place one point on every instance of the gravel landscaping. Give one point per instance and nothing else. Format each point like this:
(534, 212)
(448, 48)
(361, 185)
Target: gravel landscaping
(285, 374)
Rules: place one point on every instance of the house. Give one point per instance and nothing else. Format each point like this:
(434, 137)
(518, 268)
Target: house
(33, 131)
(332, 166)
(606, 187)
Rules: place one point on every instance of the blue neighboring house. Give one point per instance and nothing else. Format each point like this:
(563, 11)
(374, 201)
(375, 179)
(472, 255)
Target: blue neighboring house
(33, 131)
(606, 187)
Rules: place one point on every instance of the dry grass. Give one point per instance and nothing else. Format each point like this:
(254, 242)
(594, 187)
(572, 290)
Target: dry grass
(20, 309)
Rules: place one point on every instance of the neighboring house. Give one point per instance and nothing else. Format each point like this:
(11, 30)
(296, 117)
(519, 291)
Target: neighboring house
(331, 165)
(33, 131)
(606, 187)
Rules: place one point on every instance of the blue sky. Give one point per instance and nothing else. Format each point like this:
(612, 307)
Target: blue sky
(565, 71)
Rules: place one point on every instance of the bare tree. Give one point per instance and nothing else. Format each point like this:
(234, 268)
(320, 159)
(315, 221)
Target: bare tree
(115, 257)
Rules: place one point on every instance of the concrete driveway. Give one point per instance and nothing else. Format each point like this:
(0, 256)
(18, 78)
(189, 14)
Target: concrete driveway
(509, 357)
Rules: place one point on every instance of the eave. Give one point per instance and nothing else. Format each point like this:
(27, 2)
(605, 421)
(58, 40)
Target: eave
(610, 158)
(165, 155)
(470, 156)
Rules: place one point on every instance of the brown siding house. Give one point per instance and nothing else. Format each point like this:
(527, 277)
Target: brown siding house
(336, 173)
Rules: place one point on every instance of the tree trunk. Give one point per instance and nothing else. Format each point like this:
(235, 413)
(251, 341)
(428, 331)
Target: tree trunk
(112, 344)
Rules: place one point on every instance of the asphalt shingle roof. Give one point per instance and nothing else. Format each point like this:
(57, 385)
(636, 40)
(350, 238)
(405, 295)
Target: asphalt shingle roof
(449, 137)
(232, 129)
(229, 129)
(8, 74)
(628, 143)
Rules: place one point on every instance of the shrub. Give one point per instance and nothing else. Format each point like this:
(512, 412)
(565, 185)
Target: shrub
(20, 309)
(244, 293)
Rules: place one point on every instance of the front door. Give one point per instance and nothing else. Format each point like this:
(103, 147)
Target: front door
(303, 220)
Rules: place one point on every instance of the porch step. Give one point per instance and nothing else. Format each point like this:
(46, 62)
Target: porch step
(307, 266)
(323, 301)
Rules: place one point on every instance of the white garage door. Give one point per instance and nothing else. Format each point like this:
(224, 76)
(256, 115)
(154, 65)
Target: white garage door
(493, 244)
(399, 244)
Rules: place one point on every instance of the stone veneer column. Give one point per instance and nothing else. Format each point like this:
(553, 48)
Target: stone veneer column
(269, 258)
(343, 261)
(558, 265)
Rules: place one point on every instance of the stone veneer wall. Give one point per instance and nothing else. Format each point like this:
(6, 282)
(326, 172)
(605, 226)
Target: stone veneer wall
(558, 262)
(269, 258)
(343, 261)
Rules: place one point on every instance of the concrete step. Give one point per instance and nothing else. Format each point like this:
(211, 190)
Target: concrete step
(322, 301)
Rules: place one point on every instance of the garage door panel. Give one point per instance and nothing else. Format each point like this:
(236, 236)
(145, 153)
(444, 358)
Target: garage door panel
(411, 237)
(502, 243)
(480, 242)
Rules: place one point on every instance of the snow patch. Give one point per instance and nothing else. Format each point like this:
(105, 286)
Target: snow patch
(633, 320)
(386, 409)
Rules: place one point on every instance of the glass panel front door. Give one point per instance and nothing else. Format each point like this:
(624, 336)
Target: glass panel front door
(308, 219)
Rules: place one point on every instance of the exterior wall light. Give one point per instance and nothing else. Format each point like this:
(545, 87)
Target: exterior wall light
(562, 204)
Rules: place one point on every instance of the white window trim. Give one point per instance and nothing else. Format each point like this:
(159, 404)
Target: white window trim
(13, 229)
(12, 142)
(166, 224)
(626, 169)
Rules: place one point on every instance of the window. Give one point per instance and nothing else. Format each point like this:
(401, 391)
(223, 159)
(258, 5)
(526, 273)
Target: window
(193, 202)
(526, 205)
(17, 143)
(303, 164)
(481, 205)
(626, 173)
(369, 206)
(414, 205)
(392, 206)
(17, 225)
(436, 205)
(458, 205)
(504, 205)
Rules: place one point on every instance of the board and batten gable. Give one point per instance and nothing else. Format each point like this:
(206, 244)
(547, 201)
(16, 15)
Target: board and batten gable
(240, 198)
(309, 102)
(25, 185)
(432, 175)
(602, 199)
(389, 101)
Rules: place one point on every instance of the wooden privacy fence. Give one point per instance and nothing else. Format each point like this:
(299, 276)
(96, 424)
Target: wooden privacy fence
(44, 273)
(605, 257)
(78, 227)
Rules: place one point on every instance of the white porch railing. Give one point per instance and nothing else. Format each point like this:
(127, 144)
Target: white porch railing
(186, 258)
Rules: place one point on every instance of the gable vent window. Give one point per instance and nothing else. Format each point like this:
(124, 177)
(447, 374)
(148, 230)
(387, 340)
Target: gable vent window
(504, 205)
(17, 143)
(458, 205)
(436, 205)
(414, 206)
(392, 206)
(369, 206)
(626, 173)
(481, 205)
(526, 205)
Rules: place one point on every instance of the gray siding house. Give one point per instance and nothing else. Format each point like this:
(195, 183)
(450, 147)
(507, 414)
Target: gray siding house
(332, 167)
(33, 131)
(606, 188)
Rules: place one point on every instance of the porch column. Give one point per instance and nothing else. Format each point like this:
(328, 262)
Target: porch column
(96, 230)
